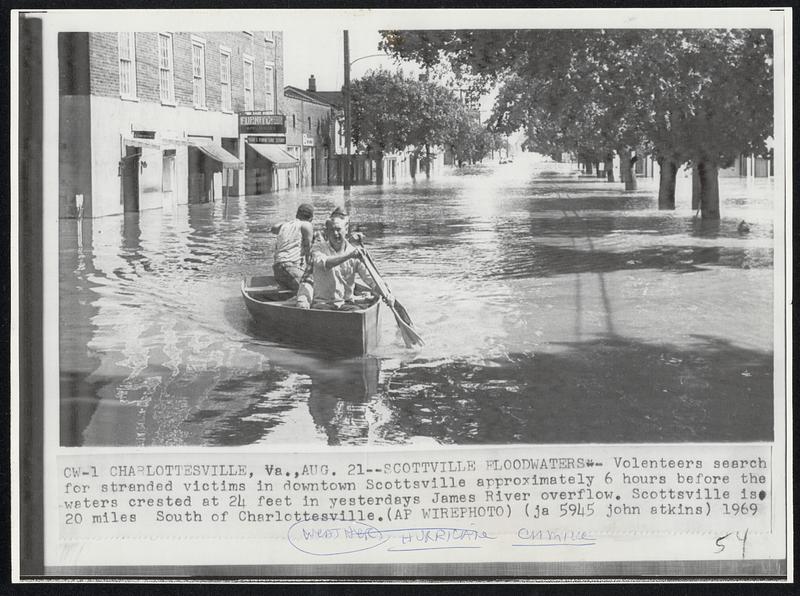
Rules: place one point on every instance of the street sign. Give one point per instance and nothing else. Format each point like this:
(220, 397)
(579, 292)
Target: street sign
(271, 140)
(261, 122)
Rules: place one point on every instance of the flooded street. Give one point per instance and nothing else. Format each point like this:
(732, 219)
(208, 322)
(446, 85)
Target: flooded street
(555, 308)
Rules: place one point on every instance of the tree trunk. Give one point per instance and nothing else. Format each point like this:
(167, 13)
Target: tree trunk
(695, 187)
(628, 174)
(588, 170)
(379, 167)
(608, 165)
(621, 153)
(597, 170)
(412, 165)
(666, 183)
(427, 160)
(707, 174)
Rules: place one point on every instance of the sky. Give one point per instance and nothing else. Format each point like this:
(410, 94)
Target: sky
(320, 51)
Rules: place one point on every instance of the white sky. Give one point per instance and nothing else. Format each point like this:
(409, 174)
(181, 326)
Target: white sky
(313, 38)
(320, 51)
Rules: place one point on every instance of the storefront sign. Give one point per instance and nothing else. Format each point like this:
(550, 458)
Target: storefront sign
(144, 134)
(261, 122)
(271, 140)
(308, 140)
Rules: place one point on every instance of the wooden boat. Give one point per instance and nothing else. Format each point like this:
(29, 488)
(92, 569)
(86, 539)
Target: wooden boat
(276, 316)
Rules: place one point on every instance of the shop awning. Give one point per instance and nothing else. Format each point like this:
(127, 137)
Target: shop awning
(227, 159)
(146, 143)
(276, 155)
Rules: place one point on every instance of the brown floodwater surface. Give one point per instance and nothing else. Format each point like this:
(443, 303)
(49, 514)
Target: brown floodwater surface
(555, 308)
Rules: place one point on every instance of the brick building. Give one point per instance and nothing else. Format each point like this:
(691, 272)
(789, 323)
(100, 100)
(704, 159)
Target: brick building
(311, 133)
(151, 119)
(316, 137)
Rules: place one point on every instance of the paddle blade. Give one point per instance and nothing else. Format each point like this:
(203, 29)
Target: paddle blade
(410, 337)
(403, 313)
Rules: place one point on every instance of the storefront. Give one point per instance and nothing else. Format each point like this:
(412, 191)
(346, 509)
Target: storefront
(269, 168)
(268, 165)
(210, 171)
(161, 172)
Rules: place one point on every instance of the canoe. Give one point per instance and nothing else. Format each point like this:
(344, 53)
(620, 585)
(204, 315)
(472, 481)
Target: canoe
(276, 317)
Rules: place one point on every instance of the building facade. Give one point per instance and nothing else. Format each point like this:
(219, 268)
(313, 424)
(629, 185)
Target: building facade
(311, 131)
(153, 119)
(316, 137)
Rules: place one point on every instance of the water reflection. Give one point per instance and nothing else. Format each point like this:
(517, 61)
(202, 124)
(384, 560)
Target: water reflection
(76, 315)
(673, 394)
(555, 308)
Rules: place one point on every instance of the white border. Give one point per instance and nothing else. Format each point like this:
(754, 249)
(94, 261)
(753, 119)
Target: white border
(307, 21)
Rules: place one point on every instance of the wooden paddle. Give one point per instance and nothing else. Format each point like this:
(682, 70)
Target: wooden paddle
(410, 336)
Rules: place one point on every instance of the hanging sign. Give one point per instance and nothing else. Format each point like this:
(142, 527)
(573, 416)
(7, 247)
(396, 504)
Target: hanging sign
(261, 122)
(270, 140)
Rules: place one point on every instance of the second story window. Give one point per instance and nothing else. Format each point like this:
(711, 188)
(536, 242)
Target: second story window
(269, 36)
(127, 64)
(269, 85)
(166, 76)
(294, 122)
(199, 74)
(247, 79)
(225, 78)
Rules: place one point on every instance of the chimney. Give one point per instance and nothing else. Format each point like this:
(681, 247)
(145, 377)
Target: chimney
(312, 83)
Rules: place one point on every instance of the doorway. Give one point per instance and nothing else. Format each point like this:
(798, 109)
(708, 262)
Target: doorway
(130, 179)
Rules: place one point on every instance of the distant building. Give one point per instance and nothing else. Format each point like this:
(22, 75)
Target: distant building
(315, 136)
(311, 131)
(154, 119)
(321, 140)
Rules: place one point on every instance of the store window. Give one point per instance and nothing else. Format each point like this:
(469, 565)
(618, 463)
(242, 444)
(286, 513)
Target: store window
(127, 64)
(168, 171)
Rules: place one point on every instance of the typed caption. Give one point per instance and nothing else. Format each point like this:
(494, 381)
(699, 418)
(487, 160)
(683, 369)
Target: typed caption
(533, 503)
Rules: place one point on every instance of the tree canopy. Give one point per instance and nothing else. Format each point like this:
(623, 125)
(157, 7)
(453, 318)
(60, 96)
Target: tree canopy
(391, 112)
(686, 96)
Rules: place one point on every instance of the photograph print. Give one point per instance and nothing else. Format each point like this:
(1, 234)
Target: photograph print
(417, 237)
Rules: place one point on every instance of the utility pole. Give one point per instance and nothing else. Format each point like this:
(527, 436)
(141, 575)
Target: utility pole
(346, 169)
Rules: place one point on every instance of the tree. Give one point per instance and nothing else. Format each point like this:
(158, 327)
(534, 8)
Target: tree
(698, 96)
(382, 114)
(394, 113)
(436, 118)
(472, 141)
(731, 106)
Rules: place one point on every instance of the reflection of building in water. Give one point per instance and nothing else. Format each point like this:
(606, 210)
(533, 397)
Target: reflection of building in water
(158, 119)
(76, 310)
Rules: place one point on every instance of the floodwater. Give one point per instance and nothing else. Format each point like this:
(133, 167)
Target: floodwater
(555, 308)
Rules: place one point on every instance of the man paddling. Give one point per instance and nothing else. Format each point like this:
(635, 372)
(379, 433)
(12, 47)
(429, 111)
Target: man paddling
(335, 266)
(293, 247)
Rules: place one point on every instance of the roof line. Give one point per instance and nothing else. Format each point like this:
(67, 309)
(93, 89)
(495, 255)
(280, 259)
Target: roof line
(306, 95)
